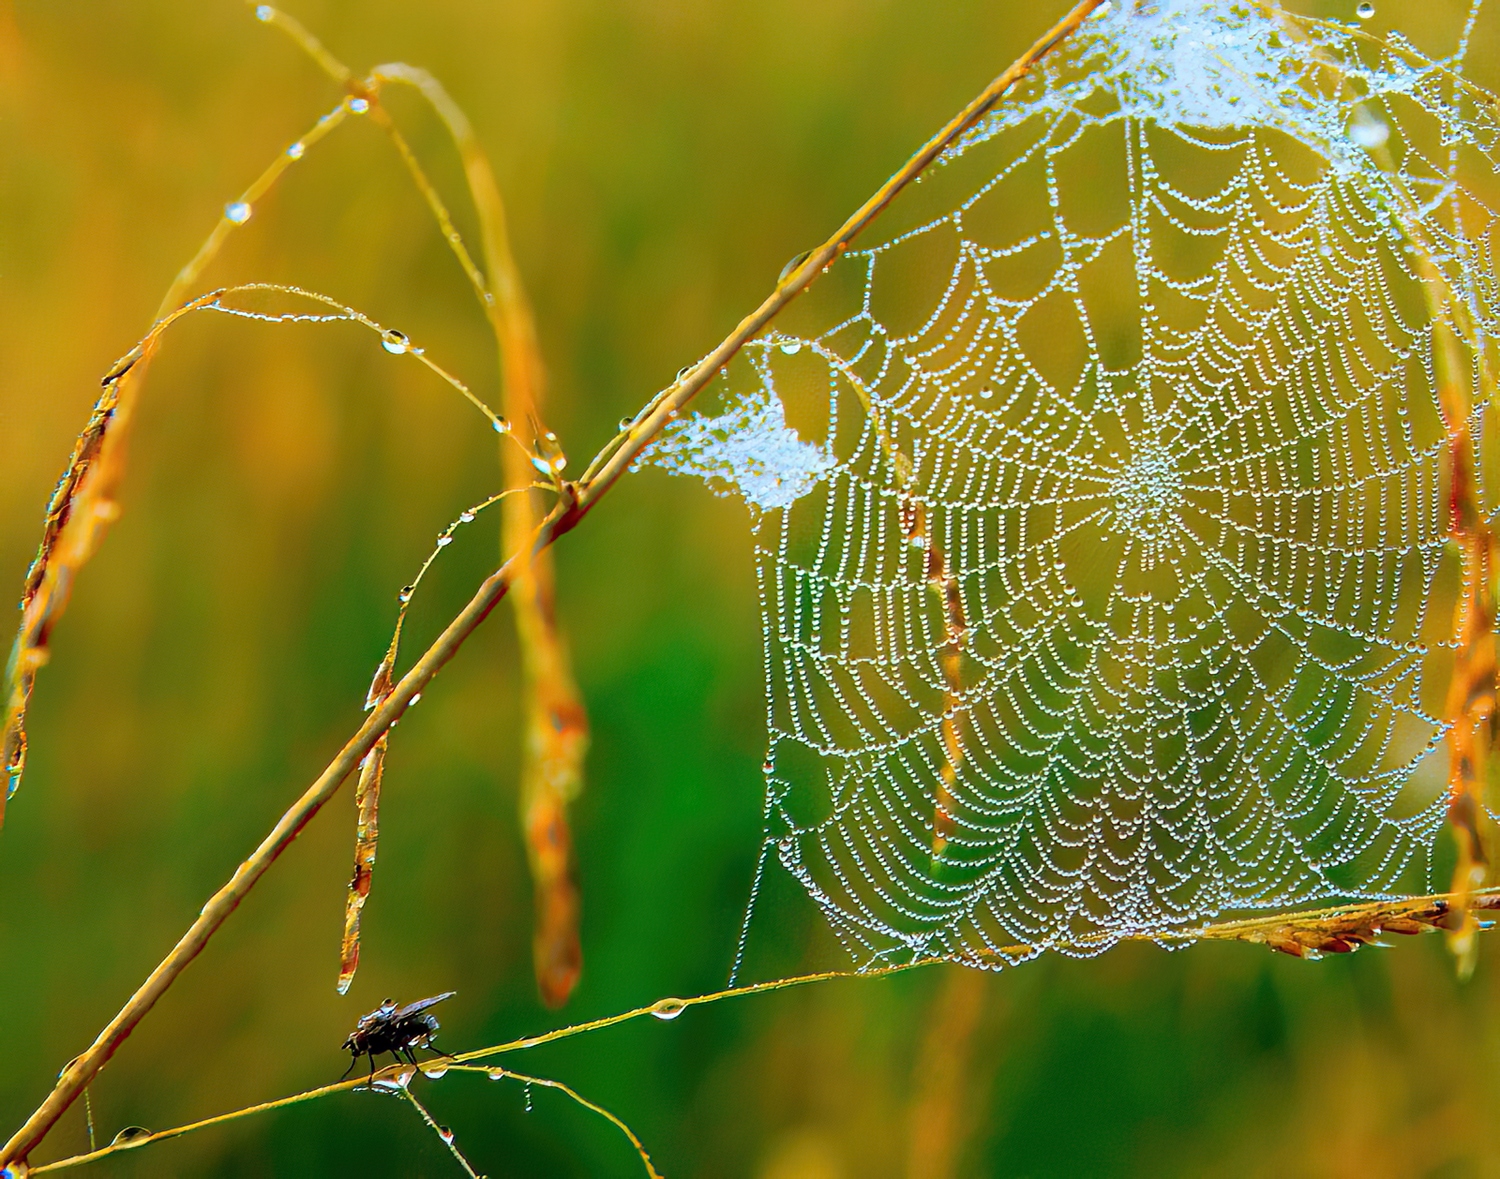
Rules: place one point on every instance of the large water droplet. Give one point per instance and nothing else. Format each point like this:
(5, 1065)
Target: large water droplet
(238, 212)
(668, 1008)
(131, 1136)
(405, 595)
(394, 342)
(444, 541)
(496, 1074)
(790, 267)
(264, 12)
(501, 426)
(397, 1080)
(435, 1072)
(1365, 11)
(359, 105)
(791, 347)
(445, 1134)
(297, 150)
(466, 517)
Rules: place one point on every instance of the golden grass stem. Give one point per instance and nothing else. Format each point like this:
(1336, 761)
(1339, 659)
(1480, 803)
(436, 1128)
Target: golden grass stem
(575, 502)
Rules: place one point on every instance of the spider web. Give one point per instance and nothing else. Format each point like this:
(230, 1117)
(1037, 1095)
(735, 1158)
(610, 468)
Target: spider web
(1103, 504)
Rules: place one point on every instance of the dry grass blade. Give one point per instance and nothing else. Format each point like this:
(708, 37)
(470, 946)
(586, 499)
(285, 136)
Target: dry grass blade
(1345, 929)
(372, 769)
(84, 503)
(556, 722)
(575, 501)
(367, 804)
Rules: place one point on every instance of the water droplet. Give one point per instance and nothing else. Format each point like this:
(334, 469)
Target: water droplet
(397, 1080)
(1365, 11)
(394, 342)
(790, 267)
(405, 595)
(296, 151)
(791, 347)
(626, 423)
(444, 541)
(445, 1134)
(767, 766)
(434, 1072)
(528, 1096)
(264, 12)
(466, 517)
(15, 1171)
(496, 1074)
(359, 105)
(986, 393)
(668, 1008)
(683, 372)
(131, 1136)
(559, 462)
(541, 464)
(415, 697)
(238, 212)
(501, 426)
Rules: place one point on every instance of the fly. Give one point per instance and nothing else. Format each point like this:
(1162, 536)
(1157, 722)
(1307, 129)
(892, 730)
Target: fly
(394, 1030)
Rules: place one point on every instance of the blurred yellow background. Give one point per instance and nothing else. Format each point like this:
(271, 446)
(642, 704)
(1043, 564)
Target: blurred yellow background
(661, 160)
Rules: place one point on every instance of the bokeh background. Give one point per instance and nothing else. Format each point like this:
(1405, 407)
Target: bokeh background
(662, 159)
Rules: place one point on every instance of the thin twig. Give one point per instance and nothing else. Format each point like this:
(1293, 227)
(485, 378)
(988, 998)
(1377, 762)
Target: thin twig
(445, 1135)
(576, 502)
(548, 1083)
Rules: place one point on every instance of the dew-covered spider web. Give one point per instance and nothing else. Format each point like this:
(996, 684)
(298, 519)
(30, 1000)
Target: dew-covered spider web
(1104, 496)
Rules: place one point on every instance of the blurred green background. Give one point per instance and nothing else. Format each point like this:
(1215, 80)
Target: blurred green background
(662, 159)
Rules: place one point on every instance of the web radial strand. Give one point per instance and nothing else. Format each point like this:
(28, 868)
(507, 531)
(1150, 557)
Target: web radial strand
(1102, 501)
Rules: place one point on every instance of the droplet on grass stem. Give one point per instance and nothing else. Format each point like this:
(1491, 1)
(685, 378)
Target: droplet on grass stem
(790, 268)
(238, 212)
(394, 342)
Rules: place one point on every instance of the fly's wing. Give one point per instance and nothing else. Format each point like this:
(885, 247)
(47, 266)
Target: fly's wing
(422, 1005)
